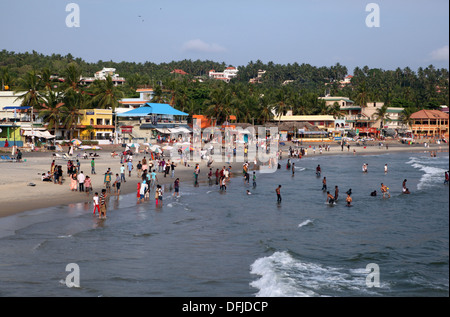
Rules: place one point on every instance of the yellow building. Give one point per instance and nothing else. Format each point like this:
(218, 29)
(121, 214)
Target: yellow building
(96, 124)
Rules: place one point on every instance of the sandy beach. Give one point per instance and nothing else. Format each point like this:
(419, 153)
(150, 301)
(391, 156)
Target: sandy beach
(17, 196)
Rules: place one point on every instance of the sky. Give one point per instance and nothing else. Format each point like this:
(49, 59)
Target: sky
(406, 33)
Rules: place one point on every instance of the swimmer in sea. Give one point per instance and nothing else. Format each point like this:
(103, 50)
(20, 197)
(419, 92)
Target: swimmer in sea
(348, 200)
(374, 193)
(330, 198)
(385, 190)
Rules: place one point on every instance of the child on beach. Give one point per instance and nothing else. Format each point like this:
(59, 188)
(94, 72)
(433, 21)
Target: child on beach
(88, 185)
(96, 203)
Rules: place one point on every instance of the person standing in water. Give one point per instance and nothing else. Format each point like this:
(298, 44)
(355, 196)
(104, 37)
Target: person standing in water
(254, 179)
(385, 190)
(278, 191)
(324, 184)
(293, 169)
(348, 200)
(330, 198)
(336, 193)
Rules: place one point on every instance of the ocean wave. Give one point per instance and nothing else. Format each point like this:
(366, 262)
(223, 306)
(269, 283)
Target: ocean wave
(432, 175)
(304, 223)
(282, 275)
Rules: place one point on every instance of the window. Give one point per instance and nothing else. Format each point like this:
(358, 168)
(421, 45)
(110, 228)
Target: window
(99, 121)
(107, 122)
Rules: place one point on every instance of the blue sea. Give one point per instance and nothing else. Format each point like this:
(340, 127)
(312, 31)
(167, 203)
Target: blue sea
(213, 243)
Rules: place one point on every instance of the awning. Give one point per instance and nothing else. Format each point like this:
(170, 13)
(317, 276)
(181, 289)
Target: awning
(150, 109)
(16, 108)
(163, 130)
(39, 134)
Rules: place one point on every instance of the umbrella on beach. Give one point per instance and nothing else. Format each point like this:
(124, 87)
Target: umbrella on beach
(167, 147)
(85, 147)
(76, 142)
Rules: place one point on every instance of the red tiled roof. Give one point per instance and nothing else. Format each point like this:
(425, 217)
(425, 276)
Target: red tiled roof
(179, 71)
(429, 114)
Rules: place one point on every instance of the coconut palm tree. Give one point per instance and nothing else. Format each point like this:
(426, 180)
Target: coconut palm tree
(52, 110)
(106, 95)
(382, 114)
(73, 102)
(405, 116)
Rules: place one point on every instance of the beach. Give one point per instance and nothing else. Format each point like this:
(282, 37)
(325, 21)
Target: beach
(17, 196)
(210, 242)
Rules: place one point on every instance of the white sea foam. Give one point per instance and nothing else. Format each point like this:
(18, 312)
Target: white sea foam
(284, 276)
(432, 175)
(304, 223)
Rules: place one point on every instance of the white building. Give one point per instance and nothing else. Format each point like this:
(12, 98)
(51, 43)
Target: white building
(226, 75)
(102, 74)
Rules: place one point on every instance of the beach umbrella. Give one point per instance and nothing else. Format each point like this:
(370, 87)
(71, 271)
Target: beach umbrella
(76, 142)
(167, 147)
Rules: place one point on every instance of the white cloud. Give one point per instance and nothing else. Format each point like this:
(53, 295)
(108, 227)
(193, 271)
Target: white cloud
(200, 46)
(440, 55)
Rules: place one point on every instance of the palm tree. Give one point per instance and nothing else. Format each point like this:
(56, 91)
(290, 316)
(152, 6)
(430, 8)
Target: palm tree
(73, 103)
(382, 114)
(336, 111)
(32, 97)
(72, 77)
(362, 97)
(265, 111)
(159, 96)
(219, 104)
(405, 116)
(106, 95)
(52, 110)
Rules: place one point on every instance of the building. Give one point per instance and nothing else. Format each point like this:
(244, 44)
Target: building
(95, 124)
(145, 95)
(228, 74)
(102, 74)
(16, 123)
(151, 121)
(178, 71)
(430, 123)
(341, 101)
(258, 79)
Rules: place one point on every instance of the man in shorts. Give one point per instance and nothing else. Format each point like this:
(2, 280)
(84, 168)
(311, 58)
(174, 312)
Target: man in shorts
(102, 214)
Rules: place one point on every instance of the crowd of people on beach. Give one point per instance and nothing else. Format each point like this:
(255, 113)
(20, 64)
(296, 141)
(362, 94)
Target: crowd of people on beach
(147, 169)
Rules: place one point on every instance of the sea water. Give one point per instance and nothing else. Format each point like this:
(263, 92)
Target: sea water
(209, 242)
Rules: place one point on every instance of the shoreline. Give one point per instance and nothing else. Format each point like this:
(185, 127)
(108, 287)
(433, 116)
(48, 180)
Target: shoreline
(18, 197)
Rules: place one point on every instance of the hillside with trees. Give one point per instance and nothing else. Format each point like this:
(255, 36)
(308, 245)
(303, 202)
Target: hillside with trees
(293, 87)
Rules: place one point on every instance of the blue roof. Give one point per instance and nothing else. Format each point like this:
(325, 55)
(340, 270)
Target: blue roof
(16, 108)
(153, 108)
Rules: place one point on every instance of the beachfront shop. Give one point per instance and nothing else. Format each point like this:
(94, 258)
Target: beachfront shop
(10, 135)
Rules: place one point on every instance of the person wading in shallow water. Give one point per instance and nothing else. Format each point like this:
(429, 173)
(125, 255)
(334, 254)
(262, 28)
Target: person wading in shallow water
(278, 191)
